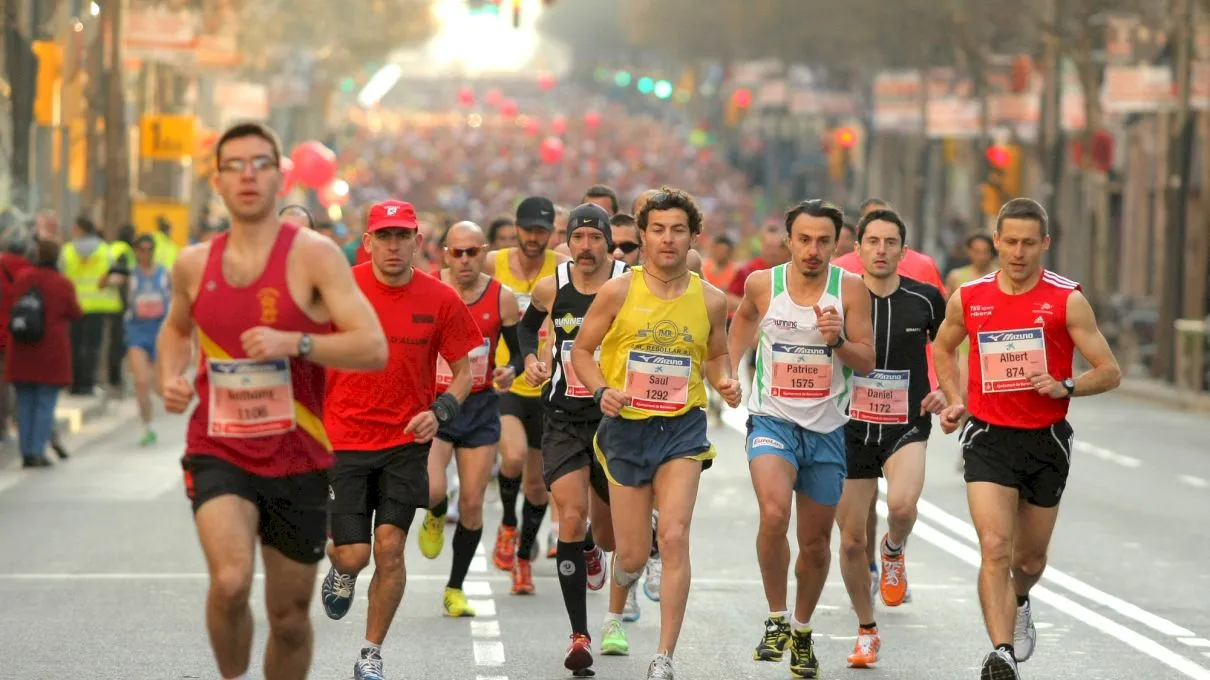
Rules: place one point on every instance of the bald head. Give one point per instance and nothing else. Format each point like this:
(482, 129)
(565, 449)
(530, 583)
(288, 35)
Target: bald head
(465, 231)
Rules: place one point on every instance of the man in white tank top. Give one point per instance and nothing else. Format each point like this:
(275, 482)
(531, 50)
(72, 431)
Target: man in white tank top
(812, 325)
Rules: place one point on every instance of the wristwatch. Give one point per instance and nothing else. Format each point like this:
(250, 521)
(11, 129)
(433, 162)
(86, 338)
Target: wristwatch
(596, 396)
(839, 342)
(1069, 385)
(304, 345)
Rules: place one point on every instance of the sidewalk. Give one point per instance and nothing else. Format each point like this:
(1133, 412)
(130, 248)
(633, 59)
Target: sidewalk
(1160, 393)
(74, 412)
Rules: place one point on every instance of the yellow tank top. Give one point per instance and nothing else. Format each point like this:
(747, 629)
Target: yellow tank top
(524, 289)
(655, 349)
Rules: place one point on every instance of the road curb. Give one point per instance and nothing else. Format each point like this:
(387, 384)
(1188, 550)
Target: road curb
(70, 418)
(1164, 394)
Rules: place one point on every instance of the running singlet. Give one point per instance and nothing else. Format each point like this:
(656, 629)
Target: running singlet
(655, 349)
(904, 323)
(486, 313)
(566, 397)
(263, 416)
(965, 275)
(1014, 336)
(798, 379)
(368, 410)
(148, 296)
(524, 289)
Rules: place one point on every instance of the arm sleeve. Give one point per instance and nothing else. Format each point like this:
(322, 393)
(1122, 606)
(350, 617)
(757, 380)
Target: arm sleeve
(516, 357)
(527, 332)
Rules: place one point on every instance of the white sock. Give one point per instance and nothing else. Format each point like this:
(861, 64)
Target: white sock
(784, 615)
(377, 648)
(610, 616)
(797, 625)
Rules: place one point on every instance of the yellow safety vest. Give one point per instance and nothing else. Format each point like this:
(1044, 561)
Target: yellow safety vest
(86, 274)
(165, 250)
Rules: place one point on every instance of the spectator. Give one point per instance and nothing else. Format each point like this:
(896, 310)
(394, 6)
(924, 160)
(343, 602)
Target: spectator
(39, 369)
(86, 261)
(13, 261)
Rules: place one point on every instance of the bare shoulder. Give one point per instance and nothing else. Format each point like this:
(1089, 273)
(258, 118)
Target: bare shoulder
(189, 266)
(716, 300)
(561, 256)
(694, 261)
(617, 287)
(758, 281)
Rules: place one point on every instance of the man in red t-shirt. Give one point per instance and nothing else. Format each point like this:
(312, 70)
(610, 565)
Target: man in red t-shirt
(380, 423)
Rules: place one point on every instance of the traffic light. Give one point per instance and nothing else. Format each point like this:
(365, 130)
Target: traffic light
(990, 199)
(1004, 168)
(742, 98)
(516, 13)
(846, 137)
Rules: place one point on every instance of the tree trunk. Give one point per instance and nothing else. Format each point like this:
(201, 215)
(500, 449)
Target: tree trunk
(22, 74)
(117, 161)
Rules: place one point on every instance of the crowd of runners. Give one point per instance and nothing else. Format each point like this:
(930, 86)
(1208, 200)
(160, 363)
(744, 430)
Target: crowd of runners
(329, 401)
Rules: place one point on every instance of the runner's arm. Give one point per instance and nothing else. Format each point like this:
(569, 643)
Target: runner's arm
(719, 366)
(535, 316)
(747, 316)
(358, 343)
(601, 313)
(174, 344)
(510, 318)
(459, 337)
(945, 349)
(694, 261)
(1105, 373)
(857, 352)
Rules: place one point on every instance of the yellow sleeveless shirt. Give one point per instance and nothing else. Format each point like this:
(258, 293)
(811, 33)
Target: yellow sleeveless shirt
(524, 289)
(655, 349)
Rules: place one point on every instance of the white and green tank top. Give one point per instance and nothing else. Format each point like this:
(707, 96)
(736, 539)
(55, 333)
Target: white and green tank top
(798, 379)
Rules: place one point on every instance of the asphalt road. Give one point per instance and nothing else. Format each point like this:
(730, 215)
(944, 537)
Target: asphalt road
(101, 575)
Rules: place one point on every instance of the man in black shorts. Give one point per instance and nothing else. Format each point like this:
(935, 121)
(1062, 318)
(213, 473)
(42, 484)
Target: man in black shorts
(569, 465)
(889, 423)
(380, 423)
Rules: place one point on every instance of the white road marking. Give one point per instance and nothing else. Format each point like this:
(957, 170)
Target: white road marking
(485, 629)
(491, 677)
(489, 653)
(484, 608)
(477, 588)
(1195, 482)
(479, 564)
(1196, 642)
(1106, 454)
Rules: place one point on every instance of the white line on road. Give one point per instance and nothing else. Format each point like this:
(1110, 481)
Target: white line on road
(483, 607)
(489, 653)
(485, 629)
(1195, 482)
(1107, 455)
(477, 588)
(1068, 606)
(1196, 642)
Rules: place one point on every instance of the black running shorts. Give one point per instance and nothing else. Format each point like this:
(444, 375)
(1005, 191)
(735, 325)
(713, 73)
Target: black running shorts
(529, 411)
(867, 458)
(477, 423)
(293, 510)
(567, 447)
(387, 485)
(1034, 462)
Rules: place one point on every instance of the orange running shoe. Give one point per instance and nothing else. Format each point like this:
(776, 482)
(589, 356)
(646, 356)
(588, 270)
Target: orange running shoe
(506, 548)
(865, 652)
(523, 578)
(892, 584)
(579, 654)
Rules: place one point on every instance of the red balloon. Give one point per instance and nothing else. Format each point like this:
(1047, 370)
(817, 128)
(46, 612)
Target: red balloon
(546, 82)
(532, 126)
(466, 96)
(329, 196)
(558, 125)
(508, 108)
(314, 164)
(592, 120)
(287, 176)
(493, 98)
(551, 150)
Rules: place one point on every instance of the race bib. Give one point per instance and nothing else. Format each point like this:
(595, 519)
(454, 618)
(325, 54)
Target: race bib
(575, 388)
(880, 397)
(250, 398)
(657, 382)
(479, 362)
(801, 371)
(149, 305)
(1009, 357)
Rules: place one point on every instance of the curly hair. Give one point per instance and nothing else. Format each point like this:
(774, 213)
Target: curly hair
(671, 198)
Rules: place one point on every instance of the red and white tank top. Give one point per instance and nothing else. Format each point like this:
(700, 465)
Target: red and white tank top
(486, 313)
(1013, 336)
(266, 416)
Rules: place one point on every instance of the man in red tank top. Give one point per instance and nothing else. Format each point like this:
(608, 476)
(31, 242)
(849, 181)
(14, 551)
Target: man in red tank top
(381, 423)
(261, 300)
(1024, 323)
(476, 431)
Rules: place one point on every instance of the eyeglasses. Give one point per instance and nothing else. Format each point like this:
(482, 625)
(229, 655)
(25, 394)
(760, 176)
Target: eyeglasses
(241, 165)
(458, 253)
(627, 247)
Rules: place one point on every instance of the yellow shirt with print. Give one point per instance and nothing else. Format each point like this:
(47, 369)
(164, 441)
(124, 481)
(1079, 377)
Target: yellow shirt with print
(524, 290)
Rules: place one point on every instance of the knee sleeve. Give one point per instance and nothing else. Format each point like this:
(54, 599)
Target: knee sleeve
(394, 513)
(350, 528)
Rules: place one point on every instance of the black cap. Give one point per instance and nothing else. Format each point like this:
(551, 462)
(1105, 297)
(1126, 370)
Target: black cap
(536, 212)
(592, 216)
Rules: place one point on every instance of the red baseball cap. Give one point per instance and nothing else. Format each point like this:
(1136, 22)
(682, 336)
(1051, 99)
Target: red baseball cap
(392, 214)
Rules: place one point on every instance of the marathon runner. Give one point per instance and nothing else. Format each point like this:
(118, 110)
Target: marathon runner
(569, 465)
(603, 196)
(520, 269)
(1023, 322)
(148, 295)
(660, 329)
(262, 299)
(694, 259)
(889, 423)
(982, 253)
(811, 322)
(381, 423)
(915, 265)
(474, 433)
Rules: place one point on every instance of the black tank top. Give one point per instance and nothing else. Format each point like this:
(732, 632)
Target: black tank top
(564, 395)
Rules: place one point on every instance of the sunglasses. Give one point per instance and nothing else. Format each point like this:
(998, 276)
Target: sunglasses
(240, 165)
(627, 247)
(458, 253)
